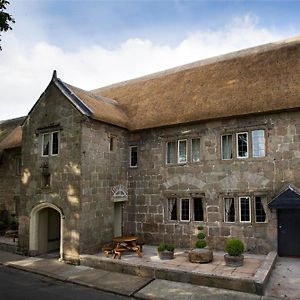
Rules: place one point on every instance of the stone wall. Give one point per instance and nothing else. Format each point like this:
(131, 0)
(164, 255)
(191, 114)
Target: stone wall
(212, 179)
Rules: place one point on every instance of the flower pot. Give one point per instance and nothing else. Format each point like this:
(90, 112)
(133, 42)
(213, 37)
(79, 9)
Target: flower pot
(234, 261)
(200, 255)
(166, 254)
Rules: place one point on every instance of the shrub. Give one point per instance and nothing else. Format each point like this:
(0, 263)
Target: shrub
(170, 247)
(234, 247)
(201, 236)
(161, 247)
(200, 244)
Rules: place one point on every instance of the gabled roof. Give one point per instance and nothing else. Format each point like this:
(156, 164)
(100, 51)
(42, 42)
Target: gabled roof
(289, 198)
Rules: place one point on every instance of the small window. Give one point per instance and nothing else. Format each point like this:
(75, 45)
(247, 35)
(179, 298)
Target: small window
(195, 150)
(133, 156)
(242, 144)
(111, 143)
(182, 152)
(229, 210)
(185, 209)
(171, 152)
(245, 209)
(45, 144)
(260, 212)
(198, 209)
(54, 147)
(226, 146)
(172, 209)
(258, 143)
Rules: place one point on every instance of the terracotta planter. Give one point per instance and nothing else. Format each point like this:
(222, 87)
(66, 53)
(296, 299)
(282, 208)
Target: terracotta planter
(234, 261)
(166, 254)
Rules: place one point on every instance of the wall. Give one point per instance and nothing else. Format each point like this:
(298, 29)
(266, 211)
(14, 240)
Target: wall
(153, 181)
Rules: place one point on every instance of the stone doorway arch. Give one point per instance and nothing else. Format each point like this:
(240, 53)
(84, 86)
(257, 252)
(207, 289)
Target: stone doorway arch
(46, 229)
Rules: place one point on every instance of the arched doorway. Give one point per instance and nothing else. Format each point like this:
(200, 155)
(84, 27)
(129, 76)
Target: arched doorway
(46, 229)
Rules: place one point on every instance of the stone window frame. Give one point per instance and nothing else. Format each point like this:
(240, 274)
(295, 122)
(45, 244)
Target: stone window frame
(130, 157)
(235, 209)
(50, 134)
(232, 146)
(265, 206)
(252, 143)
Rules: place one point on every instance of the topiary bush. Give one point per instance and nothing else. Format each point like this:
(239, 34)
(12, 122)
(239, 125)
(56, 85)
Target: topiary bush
(170, 247)
(200, 244)
(234, 247)
(201, 236)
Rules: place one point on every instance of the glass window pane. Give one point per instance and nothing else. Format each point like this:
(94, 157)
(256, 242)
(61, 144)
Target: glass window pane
(198, 209)
(242, 145)
(55, 143)
(171, 152)
(185, 209)
(182, 153)
(245, 209)
(195, 150)
(227, 146)
(258, 143)
(45, 144)
(260, 213)
(229, 210)
(133, 156)
(172, 209)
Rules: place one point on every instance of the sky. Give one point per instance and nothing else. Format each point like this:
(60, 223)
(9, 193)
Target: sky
(94, 43)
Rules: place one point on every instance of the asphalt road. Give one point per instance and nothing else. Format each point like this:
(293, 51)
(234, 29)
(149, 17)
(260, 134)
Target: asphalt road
(20, 285)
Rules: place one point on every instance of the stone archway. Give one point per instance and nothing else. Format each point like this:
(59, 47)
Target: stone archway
(46, 229)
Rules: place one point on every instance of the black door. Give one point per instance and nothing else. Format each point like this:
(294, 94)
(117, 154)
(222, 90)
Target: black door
(288, 232)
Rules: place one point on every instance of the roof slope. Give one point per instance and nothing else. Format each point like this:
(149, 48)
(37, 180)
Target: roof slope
(287, 199)
(256, 80)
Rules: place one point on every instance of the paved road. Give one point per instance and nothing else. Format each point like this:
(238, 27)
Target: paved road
(20, 285)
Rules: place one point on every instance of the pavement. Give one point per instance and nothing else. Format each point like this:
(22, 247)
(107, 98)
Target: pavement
(283, 284)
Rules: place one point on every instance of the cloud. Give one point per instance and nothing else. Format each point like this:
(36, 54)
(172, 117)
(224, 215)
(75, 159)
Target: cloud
(26, 68)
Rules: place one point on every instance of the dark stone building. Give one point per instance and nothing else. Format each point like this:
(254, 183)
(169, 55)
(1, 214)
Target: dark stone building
(210, 143)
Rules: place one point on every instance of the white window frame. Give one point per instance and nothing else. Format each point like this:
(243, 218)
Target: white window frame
(130, 151)
(51, 143)
(250, 212)
(263, 198)
(253, 143)
(50, 134)
(224, 209)
(180, 214)
(237, 145)
(231, 146)
(178, 153)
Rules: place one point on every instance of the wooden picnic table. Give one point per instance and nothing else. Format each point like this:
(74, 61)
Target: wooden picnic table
(126, 243)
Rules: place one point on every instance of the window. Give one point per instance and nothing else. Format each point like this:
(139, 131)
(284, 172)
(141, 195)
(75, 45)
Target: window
(226, 146)
(50, 143)
(171, 152)
(172, 209)
(185, 209)
(182, 152)
(229, 210)
(260, 212)
(258, 143)
(195, 150)
(198, 209)
(242, 144)
(133, 156)
(245, 209)
(111, 143)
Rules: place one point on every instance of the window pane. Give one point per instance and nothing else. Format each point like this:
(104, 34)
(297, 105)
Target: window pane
(46, 144)
(171, 152)
(258, 143)
(172, 209)
(229, 212)
(227, 146)
(242, 144)
(55, 143)
(133, 156)
(182, 151)
(111, 143)
(185, 209)
(195, 150)
(198, 209)
(260, 213)
(245, 209)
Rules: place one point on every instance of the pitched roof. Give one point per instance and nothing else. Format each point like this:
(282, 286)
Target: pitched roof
(288, 198)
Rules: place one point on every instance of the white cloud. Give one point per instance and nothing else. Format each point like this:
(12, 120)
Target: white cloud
(26, 69)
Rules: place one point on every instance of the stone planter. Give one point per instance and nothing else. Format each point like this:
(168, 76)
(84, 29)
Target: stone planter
(201, 255)
(234, 261)
(166, 254)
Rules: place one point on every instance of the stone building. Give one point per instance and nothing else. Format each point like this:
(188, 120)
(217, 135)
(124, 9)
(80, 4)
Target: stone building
(216, 142)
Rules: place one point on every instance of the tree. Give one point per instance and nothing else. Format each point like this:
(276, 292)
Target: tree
(5, 18)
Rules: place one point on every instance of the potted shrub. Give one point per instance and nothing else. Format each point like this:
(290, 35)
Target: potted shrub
(234, 248)
(165, 251)
(201, 254)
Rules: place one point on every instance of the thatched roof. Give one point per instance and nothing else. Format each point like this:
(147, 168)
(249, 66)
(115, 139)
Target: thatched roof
(11, 133)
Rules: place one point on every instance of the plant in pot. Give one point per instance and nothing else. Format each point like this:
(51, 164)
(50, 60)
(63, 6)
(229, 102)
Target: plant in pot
(201, 254)
(234, 248)
(165, 251)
